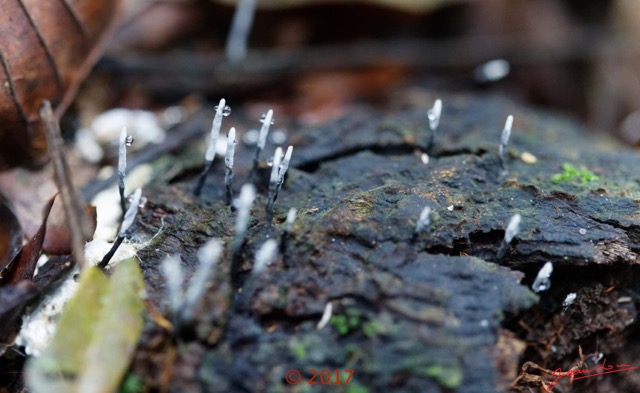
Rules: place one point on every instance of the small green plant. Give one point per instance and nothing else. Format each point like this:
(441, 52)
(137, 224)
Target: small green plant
(132, 384)
(569, 172)
(347, 323)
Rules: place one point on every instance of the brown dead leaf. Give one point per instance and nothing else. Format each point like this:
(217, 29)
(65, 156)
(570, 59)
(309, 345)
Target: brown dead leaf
(10, 234)
(23, 265)
(46, 50)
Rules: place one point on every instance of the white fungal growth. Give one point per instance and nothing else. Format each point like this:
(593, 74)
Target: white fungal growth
(264, 130)
(291, 218)
(265, 255)
(424, 220)
(326, 316)
(504, 139)
(241, 25)
(215, 131)
(513, 228)
(284, 166)
(434, 115)
(492, 71)
(122, 152)
(542, 282)
(275, 169)
(228, 162)
(506, 132)
(244, 203)
(131, 213)
(173, 275)
(568, 301)
(208, 256)
(231, 147)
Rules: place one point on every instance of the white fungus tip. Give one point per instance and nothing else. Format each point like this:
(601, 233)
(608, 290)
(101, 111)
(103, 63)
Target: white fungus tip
(172, 270)
(424, 220)
(221, 109)
(509, 123)
(122, 151)
(275, 169)
(513, 228)
(236, 48)
(434, 114)
(208, 256)
(221, 105)
(285, 164)
(326, 316)
(264, 130)
(542, 282)
(210, 252)
(506, 132)
(231, 144)
(287, 155)
(243, 204)
(568, 301)
(492, 71)
(247, 195)
(265, 255)
(291, 218)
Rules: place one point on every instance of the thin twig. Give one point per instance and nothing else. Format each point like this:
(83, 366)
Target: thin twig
(79, 224)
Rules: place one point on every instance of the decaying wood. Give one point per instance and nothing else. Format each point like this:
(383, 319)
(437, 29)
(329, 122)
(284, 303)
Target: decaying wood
(425, 314)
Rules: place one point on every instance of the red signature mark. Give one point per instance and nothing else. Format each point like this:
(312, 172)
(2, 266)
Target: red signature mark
(588, 373)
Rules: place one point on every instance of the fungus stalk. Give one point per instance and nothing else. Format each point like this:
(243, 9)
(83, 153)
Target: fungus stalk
(236, 49)
(228, 162)
(208, 256)
(273, 183)
(127, 221)
(434, 119)
(221, 110)
(512, 230)
(122, 164)
(243, 206)
(288, 228)
(265, 255)
(267, 121)
(174, 276)
(182, 304)
(504, 141)
(278, 172)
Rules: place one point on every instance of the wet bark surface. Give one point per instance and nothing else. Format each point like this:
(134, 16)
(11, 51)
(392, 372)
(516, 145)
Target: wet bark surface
(438, 312)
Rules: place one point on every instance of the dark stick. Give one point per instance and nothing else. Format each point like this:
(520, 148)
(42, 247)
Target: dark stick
(79, 224)
(111, 253)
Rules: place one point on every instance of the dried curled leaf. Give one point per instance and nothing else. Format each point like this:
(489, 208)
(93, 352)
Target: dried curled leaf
(96, 335)
(23, 265)
(10, 234)
(46, 49)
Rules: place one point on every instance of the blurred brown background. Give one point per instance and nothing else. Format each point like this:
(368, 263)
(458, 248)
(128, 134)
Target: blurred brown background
(315, 56)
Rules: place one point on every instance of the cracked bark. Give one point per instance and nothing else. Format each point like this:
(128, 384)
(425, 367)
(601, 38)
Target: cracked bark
(430, 315)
